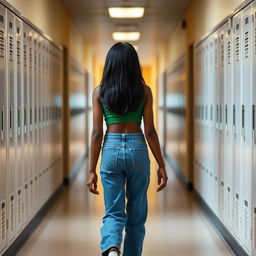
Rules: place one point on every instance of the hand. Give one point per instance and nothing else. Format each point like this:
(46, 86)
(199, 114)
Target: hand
(92, 183)
(162, 178)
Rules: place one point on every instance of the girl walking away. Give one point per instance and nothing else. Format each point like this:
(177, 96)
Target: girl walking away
(123, 99)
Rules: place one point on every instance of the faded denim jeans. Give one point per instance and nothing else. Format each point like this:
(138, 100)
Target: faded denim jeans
(125, 174)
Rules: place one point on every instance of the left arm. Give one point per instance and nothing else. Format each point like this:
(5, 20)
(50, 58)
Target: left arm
(96, 140)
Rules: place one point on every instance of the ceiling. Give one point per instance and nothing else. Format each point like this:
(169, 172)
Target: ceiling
(91, 17)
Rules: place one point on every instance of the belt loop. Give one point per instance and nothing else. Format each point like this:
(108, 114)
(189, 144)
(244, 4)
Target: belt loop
(123, 137)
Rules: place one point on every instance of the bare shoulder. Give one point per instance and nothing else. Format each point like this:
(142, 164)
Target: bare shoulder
(148, 93)
(96, 92)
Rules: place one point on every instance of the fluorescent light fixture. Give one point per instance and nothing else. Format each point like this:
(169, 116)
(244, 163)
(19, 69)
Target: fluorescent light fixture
(126, 36)
(126, 12)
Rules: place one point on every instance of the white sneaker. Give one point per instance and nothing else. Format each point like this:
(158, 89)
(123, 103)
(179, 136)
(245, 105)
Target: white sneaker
(113, 253)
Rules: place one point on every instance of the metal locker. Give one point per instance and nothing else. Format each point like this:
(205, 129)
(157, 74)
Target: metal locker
(206, 122)
(195, 70)
(31, 123)
(12, 123)
(42, 109)
(46, 89)
(39, 55)
(3, 131)
(227, 121)
(253, 178)
(35, 114)
(246, 130)
(221, 119)
(216, 122)
(237, 23)
(26, 164)
(211, 142)
(19, 110)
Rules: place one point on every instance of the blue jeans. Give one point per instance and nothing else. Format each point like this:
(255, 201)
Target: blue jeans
(125, 174)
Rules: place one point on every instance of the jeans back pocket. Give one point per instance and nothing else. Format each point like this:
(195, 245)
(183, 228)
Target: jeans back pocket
(140, 158)
(109, 157)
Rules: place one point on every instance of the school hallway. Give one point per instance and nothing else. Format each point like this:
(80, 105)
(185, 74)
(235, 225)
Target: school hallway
(199, 59)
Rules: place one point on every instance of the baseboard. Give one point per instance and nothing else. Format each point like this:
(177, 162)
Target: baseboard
(218, 225)
(71, 176)
(33, 224)
(179, 173)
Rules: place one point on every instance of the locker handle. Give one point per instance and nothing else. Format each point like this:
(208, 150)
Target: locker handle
(19, 117)
(243, 130)
(2, 123)
(253, 124)
(226, 118)
(234, 118)
(10, 121)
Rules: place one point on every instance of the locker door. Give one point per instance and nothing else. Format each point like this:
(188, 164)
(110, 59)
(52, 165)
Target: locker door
(221, 118)
(35, 114)
(12, 115)
(246, 103)
(253, 180)
(43, 144)
(60, 79)
(26, 177)
(31, 124)
(3, 130)
(228, 142)
(211, 123)
(216, 121)
(19, 99)
(195, 58)
(237, 23)
(205, 127)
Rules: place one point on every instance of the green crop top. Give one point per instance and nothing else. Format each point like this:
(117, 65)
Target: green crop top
(133, 116)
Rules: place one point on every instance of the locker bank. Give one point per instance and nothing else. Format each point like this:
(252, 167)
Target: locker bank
(198, 57)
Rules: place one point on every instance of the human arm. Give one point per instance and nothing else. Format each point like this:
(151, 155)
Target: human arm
(96, 140)
(152, 138)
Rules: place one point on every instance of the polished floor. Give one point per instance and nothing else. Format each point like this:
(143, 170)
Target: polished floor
(175, 225)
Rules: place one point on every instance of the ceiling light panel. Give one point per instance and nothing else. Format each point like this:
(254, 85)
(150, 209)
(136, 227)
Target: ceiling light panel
(126, 12)
(126, 36)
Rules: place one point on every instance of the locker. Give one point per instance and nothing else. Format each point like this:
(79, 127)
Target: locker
(12, 123)
(237, 23)
(228, 138)
(40, 91)
(220, 92)
(246, 131)
(195, 72)
(26, 165)
(3, 131)
(19, 111)
(253, 179)
(31, 125)
(42, 119)
(216, 122)
(211, 142)
(35, 114)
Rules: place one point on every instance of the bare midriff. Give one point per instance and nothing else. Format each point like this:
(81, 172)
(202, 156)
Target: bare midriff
(124, 128)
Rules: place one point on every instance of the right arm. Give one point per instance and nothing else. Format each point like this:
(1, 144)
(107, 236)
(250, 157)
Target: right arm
(152, 138)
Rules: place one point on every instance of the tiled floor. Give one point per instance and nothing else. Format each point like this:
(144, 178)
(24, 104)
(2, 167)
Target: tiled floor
(175, 225)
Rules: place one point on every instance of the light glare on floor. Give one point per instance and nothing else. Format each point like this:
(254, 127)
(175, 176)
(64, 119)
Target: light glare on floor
(126, 36)
(126, 12)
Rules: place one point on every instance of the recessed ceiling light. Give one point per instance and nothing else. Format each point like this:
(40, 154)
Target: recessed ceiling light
(126, 12)
(126, 36)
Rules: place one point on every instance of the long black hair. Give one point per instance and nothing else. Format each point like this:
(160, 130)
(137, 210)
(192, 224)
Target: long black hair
(122, 87)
